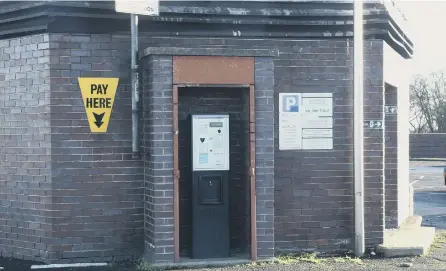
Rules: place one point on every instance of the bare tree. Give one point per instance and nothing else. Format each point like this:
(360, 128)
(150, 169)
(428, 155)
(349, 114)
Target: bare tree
(428, 103)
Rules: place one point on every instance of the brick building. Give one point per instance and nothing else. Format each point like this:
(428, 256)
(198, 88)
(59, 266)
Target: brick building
(68, 195)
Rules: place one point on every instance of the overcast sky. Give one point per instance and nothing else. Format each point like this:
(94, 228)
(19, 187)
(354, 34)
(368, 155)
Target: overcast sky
(427, 22)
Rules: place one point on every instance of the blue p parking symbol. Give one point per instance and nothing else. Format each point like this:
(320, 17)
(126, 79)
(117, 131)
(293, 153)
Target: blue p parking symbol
(290, 103)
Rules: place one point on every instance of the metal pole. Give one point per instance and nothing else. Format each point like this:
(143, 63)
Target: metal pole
(135, 84)
(358, 70)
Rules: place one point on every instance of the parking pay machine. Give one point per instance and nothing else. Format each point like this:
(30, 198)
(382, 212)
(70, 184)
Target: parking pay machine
(210, 167)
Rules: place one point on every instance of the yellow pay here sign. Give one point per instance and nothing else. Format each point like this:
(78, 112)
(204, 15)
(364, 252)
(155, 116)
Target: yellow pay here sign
(98, 95)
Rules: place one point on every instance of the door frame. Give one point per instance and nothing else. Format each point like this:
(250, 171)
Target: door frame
(214, 71)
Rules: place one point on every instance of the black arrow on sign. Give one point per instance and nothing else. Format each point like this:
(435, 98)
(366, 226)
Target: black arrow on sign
(98, 118)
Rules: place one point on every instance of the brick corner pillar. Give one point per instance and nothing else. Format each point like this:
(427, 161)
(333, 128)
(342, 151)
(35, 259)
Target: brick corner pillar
(374, 143)
(158, 158)
(264, 172)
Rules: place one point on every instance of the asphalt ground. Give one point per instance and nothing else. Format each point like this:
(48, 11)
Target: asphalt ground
(429, 192)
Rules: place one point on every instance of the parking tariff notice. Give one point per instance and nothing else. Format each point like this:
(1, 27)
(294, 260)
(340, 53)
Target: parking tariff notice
(305, 121)
(98, 95)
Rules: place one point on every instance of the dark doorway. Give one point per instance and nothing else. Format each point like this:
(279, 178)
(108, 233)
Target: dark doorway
(217, 100)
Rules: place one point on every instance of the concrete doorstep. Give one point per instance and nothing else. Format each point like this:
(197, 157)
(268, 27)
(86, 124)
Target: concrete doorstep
(71, 265)
(210, 263)
(410, 239)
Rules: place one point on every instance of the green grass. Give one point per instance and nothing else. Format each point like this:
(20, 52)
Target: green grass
(313, 258)
(353, 260)
(256, 264)
(146, 266)
(288, 259)
(306, 257)
(310, 258)
(439, 241)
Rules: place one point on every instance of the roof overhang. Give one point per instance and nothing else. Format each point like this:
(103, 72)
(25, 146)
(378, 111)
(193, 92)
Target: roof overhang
(250, 19)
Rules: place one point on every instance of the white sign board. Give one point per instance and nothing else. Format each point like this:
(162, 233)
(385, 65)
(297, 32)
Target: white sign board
(317, 133)
(305, 121)
(390, 109)
(377, 124)
(210, 142)
(317, 143)
(138, 7)
(290, 130)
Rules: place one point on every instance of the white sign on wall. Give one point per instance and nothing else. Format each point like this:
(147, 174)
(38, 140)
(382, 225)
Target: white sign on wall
(377, 124)
(305, 121)
(390, 109)
(289, 129)
(138, 7)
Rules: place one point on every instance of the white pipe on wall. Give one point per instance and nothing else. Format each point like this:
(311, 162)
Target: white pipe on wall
(358, 81)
